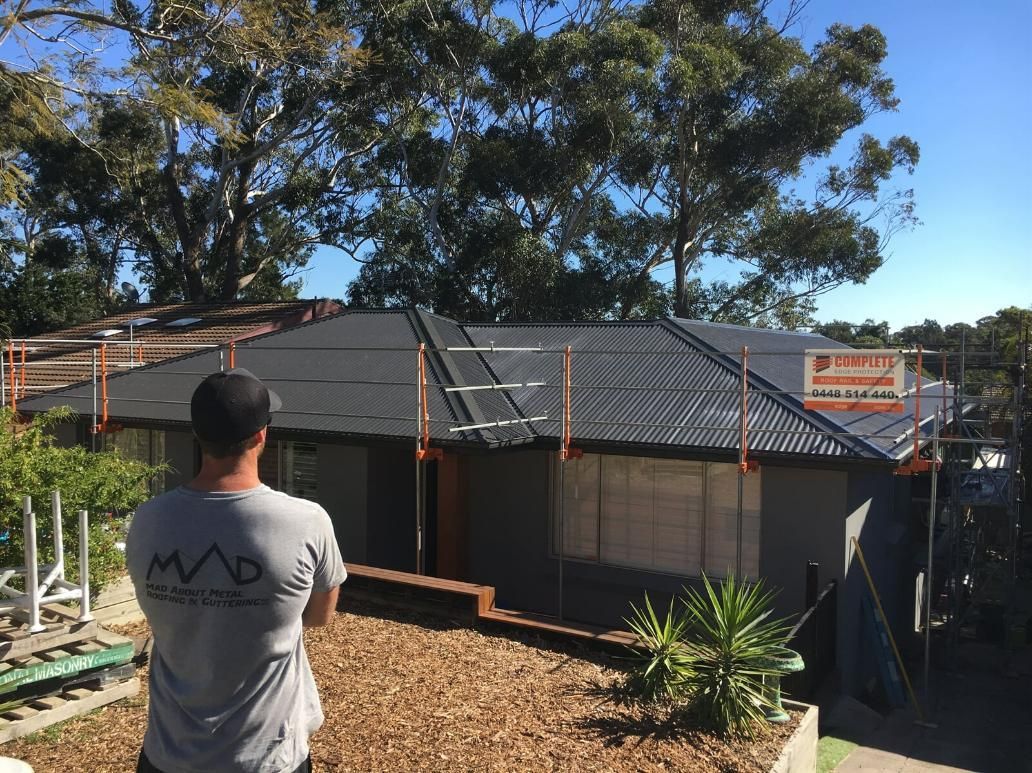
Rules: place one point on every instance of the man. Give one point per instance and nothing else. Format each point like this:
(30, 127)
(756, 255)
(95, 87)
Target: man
(227, 572)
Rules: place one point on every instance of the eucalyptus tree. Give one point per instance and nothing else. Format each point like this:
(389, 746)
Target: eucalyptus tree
(257, 152)
(743, 111)
(499, 172)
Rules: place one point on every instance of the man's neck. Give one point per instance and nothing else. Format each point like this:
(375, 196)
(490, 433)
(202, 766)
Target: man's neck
(238, 474)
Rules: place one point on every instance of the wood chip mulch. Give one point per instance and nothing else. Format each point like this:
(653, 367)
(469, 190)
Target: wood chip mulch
(404, 691)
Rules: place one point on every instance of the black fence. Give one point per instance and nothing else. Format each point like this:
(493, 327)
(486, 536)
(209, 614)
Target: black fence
(813, 637)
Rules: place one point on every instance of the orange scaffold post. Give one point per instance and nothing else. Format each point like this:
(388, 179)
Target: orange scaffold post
(423, 450)
(102, 425)
(567, 451)
(917, 464)
(745, 464)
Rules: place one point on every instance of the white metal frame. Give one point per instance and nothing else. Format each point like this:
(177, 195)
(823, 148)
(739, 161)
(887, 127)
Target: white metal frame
(54, 587)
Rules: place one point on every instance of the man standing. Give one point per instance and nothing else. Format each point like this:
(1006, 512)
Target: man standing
(227, 572)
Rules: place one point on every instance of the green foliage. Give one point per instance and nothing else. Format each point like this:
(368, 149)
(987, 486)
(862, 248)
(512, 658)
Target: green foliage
(487, 160)
(661, 664)
(729, 637)
(106, 484)
(706, 659)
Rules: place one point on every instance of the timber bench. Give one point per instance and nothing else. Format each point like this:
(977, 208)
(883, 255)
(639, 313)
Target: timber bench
(414, 590)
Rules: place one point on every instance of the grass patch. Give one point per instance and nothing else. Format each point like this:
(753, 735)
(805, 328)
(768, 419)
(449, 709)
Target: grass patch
(831, 751)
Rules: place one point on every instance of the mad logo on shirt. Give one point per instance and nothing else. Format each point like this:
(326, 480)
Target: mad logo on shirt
(221, 585)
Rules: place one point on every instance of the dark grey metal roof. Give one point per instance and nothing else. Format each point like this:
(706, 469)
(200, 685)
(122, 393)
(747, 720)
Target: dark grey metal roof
(659, 384)
(776, 358)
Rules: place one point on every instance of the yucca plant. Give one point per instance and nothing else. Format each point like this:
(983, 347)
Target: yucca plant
(661, 665)
(729, 642)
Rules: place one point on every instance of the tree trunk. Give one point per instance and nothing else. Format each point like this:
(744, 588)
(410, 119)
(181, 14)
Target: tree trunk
(237, 236)
(193, 274)
(680, 264)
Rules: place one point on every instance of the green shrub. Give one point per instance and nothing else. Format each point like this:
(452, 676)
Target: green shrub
(706, 659)
(728, 638)
(661, 664)
(106, 484)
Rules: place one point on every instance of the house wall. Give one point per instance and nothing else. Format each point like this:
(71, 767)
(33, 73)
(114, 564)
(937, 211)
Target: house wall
(878, 516)
(343, 485)
(802, 520)
(807, 515)
(181, 457)
(509, 541)
(390, 508)
(65, 434)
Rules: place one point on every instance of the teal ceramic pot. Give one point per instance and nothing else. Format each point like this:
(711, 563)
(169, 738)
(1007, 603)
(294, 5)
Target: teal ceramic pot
(784, 661)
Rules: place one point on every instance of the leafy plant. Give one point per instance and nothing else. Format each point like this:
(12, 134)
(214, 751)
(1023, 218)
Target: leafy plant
(661, 664)
(32, 464)
(728, 640)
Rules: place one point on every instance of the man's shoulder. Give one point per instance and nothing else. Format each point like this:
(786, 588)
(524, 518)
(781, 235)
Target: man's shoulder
(168, 499)
(294, 505)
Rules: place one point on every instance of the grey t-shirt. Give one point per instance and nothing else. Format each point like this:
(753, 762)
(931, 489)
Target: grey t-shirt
(223, 578)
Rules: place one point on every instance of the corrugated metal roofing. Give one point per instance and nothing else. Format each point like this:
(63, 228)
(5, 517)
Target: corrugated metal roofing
(642, 383)
(660, 384)
(776, 357)
(53, 365)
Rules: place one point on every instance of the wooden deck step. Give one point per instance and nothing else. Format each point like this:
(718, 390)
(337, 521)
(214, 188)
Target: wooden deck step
(565, 628)
(420, 588)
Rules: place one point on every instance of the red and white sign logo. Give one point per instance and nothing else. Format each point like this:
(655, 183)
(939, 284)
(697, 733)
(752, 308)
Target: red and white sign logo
(850, 380)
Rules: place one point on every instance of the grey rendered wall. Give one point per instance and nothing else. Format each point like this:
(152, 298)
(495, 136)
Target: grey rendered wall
(509, 548)
(390, 505)
(343, 476)
(66, 435)
(180, 456)
(508, 528)
(802, 519)
(878, 516)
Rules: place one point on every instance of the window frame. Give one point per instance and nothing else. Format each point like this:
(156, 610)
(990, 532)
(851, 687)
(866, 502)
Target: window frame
(553, 521)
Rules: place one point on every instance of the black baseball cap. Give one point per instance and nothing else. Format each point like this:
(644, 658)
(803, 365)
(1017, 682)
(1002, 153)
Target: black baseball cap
(230, 406)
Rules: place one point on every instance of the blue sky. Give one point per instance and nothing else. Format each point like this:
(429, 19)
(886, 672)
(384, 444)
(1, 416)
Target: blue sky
(964, 77)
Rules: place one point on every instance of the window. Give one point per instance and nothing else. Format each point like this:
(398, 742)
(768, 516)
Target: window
(183, 322)
(142, 445)
(291, 468)
(664, 515)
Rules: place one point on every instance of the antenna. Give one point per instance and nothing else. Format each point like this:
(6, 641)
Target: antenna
(131, 293)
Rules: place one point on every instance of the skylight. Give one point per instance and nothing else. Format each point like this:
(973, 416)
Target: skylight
(106, 333)
(183, 322)
(139, 322)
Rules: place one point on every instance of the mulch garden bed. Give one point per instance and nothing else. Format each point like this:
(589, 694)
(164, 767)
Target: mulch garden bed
(404, 691)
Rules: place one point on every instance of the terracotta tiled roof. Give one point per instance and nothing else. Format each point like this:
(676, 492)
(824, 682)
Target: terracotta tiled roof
(51, 365)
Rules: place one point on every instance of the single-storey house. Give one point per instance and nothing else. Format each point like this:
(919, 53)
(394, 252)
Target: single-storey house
(650, 505)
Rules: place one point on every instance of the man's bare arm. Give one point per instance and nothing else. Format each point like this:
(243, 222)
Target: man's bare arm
(320, 608)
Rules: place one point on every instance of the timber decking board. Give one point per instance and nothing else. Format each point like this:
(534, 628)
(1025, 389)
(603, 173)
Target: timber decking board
(19, 713)
(47, 703)
(62, 628)
(481, 597)
(85, 702)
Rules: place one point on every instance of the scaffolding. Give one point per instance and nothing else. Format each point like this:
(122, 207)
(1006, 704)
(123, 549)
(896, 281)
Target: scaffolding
(976, 516)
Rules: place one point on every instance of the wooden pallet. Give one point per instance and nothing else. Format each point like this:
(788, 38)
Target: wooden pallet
(61, 628)
(69, 659)
(36, 714)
